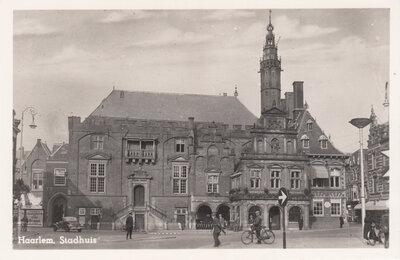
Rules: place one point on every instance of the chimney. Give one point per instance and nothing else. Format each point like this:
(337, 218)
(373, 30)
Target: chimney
(289, 104)
(298, 94)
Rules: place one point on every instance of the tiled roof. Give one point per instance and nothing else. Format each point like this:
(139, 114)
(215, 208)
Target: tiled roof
(174, 107)
(314, 136)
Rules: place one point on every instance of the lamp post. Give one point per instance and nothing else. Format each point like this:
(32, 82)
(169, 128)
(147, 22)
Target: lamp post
(33, 112)
(360, 123)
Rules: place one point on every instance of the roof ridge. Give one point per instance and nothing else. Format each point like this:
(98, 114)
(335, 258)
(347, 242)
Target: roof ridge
(170, 93)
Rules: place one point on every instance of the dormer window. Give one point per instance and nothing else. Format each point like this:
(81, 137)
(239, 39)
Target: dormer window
(323, 141)
(305, 141)
(309, 125)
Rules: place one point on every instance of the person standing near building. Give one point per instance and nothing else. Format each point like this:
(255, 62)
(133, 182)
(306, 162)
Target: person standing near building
(341, 220)
(129, 226)
(301, 222)
(258, 226)
(222, 220)
(217, 228)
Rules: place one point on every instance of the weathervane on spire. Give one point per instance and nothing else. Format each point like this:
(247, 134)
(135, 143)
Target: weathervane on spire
(270, 27)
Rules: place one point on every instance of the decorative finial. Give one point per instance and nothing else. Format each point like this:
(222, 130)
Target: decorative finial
(386, 102)
(270, 28)
(236, 93)
(270, 16)
(305, 105)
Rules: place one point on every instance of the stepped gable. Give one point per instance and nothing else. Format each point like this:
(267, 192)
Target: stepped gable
(174, 107)
(314, 135)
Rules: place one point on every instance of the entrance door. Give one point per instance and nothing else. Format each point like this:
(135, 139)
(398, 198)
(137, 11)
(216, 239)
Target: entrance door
(94, 219)
(275, 218)
(139, 196)
(181, 219)
(139, 222)
(59, 206)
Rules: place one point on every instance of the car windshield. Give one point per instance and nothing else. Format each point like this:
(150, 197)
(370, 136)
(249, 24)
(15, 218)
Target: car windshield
(70, 219)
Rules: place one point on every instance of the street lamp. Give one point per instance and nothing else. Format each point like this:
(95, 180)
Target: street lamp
(360, 123)
(33, 125)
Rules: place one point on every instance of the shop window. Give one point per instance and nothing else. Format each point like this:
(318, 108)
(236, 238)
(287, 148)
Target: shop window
(318, 209)
(335, 207)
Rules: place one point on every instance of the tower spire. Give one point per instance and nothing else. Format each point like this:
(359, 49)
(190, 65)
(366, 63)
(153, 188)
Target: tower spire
(270, 16)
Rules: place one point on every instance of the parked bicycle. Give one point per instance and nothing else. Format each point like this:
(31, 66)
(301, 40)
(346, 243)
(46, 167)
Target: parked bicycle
(266, 235)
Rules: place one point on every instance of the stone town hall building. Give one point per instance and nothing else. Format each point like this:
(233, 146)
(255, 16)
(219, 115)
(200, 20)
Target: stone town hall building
(176, 158)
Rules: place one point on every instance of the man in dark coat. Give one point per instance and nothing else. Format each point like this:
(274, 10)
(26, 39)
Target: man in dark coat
(341, 220)
(129, 226)
(217, 228)
(301, 222)
(258, 226)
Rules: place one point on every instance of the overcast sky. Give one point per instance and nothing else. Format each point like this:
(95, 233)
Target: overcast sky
(66, 62)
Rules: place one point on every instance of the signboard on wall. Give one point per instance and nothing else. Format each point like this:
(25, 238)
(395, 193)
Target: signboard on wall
(35, 217)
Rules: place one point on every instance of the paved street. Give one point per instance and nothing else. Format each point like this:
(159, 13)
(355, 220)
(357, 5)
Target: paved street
(348, 237)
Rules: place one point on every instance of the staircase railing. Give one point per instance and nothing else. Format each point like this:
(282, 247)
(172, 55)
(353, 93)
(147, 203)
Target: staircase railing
(158, 212)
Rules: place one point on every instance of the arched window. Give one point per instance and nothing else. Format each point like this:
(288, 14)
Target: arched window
(260, 146)
(289, 147)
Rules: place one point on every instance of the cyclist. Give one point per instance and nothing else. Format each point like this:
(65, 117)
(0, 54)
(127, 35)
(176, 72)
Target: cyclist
(257, 226)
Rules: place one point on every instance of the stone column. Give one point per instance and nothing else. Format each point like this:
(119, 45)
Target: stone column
(306, 217)
(266, 216)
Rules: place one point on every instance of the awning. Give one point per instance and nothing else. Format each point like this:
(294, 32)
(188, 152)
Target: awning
(375, 205)
(319, 172)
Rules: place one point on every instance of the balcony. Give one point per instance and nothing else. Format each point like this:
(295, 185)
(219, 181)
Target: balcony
(140, 156)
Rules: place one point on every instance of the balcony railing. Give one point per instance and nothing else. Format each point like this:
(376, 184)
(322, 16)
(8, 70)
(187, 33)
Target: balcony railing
(148, 155)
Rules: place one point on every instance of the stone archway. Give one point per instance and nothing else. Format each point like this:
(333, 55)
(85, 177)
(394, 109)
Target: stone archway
(204, 217)
(139, 196)
(275, 218)
(57, 208)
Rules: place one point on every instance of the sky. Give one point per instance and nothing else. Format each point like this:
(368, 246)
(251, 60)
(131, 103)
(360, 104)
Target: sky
(66, 62)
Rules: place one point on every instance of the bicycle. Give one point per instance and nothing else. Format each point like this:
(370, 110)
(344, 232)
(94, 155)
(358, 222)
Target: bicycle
(266, 235)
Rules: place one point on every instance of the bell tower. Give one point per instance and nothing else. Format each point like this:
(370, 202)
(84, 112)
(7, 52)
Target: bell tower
(270, 72)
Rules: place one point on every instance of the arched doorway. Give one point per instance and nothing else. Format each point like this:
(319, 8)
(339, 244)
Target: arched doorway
(294, 214)
(252, 211)
(138, 194)
(225, 211)
(59, 207)
(275, 218)
(203, 217)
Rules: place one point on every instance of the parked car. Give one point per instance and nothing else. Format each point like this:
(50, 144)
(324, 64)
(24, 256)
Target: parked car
(68, 224)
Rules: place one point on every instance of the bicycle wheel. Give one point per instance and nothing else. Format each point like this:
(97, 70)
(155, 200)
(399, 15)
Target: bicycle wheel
(247, 237)
(267, 236)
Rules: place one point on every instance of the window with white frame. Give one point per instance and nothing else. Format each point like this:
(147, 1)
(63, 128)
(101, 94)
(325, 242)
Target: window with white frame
(97, 177)
(59, 177)
(318, 209)
(295, 179)
(309, 125)
(334, 179)
(335, 207)
(275, 179)
(180, 145)
(37, 179)
(255, 179)
(98, 142)
(235, 183)
(179, 179)
(95, 211)
(82, 211)
(324, 144)
(305, 141)
(212, 183)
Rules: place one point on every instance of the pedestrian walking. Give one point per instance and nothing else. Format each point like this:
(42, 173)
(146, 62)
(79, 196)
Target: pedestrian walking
(24, 221)
(237, 223)
(301, 222)
(129, 226)
(217, 228)
(341, 220)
